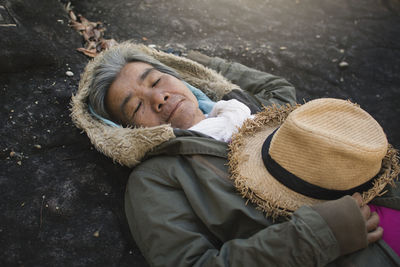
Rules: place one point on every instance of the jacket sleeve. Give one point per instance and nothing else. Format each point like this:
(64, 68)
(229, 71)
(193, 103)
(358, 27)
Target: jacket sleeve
(266, 88)
(168, 231)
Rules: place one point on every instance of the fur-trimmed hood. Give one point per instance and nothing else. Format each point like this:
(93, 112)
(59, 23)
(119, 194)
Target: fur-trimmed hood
(128, 146)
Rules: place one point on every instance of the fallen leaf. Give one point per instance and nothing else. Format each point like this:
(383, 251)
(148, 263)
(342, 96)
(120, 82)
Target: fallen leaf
(89, 53)
(92, 33)
(72, 15)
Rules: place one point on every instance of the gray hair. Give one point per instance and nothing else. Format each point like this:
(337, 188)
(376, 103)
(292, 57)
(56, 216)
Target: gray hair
(109, 68)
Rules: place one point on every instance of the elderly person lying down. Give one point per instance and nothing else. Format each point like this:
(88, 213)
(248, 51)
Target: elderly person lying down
(171, 119)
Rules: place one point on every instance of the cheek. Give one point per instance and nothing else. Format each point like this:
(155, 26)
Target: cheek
(176, 86)
(193, 99)
(146, 119)
(188, 116)
(111, 105)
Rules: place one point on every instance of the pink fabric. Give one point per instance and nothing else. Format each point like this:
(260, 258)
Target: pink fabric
(390, 222)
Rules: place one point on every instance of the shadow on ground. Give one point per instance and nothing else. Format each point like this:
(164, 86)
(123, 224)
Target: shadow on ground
(61, 201)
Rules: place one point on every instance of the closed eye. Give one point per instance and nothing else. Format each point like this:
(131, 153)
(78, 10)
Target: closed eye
(155, 83)
(140, 103)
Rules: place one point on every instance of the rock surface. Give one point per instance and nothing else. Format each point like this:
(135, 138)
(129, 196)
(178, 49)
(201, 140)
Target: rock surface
(61, 201)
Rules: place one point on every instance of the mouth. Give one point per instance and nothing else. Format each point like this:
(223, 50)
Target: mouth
(171, 115)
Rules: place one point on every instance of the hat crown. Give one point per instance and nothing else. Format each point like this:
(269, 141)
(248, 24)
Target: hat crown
(330, 143)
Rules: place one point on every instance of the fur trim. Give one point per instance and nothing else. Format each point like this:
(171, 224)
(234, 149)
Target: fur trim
(128, 146)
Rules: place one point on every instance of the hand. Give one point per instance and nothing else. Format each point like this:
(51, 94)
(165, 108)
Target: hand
(374, 232)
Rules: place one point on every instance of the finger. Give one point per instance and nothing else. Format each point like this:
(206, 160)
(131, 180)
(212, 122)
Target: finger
(358, 198)
(366, 212)
(375, 235)
(372, 222)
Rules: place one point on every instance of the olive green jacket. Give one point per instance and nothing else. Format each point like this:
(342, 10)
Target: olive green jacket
(183, 210)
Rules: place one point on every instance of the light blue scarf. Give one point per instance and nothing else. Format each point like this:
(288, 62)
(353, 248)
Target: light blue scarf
(205, 105)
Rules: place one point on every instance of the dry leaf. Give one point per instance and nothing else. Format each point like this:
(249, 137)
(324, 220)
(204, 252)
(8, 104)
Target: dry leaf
(89, 53)
(92, 33)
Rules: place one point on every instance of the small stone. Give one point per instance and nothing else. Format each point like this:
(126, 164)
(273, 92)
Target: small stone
(334, 60)
(12, 154)
(152, 46)
(22, 204)
(283, 48)
(19, 162)
(69, 73)
(343, 64)
(37, 146)
(36, 102)
(57, 208)
(317, 36)
(341, 79)
(96, 234)
(341, 51)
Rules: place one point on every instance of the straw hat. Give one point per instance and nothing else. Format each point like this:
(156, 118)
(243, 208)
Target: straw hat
(288, 157)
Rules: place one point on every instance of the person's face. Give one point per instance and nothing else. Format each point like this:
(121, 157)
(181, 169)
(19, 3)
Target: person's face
(144, 96)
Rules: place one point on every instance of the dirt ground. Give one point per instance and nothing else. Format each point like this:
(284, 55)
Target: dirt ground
(61, 201)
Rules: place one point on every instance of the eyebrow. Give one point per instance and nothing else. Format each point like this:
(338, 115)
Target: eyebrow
(145, 74)
(123, 104)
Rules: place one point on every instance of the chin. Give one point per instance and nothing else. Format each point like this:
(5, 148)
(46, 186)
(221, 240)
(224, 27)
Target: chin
(185, 118)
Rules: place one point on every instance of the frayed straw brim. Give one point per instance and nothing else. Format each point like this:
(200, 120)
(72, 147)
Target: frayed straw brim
(245, 163)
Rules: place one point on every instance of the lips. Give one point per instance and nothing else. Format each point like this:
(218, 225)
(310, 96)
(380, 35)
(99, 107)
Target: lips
(171, 115)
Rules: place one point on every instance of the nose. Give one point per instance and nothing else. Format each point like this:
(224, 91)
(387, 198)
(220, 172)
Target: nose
(159, 100)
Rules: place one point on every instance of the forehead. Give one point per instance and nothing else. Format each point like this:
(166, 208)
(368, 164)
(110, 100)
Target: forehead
(132, 71)
(126, 81)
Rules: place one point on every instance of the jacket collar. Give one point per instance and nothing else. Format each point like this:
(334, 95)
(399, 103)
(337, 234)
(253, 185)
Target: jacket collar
(190, 143)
